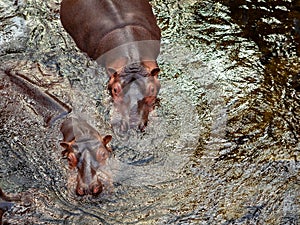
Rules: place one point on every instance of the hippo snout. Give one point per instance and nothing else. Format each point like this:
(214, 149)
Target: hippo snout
(91, 189)
(86, 151)
(87, 180)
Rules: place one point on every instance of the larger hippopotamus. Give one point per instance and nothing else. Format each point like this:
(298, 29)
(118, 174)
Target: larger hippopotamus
(122, 36)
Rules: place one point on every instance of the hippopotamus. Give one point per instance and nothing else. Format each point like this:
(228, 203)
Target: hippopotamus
(7, 204)
(87, 151)
(124, 38)
(47, 105)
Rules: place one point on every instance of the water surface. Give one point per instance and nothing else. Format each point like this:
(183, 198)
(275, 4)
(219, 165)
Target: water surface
(222, 148)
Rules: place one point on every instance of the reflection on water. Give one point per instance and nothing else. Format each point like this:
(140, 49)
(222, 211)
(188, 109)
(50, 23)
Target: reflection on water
(223, 147)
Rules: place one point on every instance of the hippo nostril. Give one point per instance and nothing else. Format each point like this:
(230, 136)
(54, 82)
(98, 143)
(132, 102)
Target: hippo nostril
(142, 126)
(96, 189)
(80, 191)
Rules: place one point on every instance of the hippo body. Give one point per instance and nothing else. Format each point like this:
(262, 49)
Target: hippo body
(7, 204)
(99, 26)
(123, 36)
(87, 151)
(47, 105)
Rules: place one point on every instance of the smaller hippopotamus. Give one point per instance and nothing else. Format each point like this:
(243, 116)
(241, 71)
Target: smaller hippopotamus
(88, 151)
(43, 102)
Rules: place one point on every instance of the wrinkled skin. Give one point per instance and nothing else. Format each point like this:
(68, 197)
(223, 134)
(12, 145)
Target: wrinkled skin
(134, 91)
(87, 151)
(7, 203)
(124, 38)
(50, 107)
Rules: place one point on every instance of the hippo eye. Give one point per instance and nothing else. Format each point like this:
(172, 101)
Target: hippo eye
(151, 90)
(80, 191)
(69, 158)
(116, 89)
(72, 160)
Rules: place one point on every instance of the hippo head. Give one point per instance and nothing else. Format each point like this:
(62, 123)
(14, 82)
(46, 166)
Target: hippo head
(87, 156)
(134, 90)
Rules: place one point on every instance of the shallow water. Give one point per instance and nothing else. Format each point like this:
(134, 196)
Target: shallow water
(222, 148)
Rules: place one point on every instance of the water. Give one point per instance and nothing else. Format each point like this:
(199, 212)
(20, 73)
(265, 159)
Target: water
(223, 147)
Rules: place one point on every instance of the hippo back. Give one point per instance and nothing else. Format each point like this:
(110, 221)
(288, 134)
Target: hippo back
(98, 26)
(74, 128)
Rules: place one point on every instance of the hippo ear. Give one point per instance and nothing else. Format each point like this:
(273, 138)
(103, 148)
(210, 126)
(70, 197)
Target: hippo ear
(155, 71)
(107, 139)
(111, 71)
(65, 144)
(152, 67)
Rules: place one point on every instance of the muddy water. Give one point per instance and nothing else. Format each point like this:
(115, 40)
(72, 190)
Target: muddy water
(223, 147)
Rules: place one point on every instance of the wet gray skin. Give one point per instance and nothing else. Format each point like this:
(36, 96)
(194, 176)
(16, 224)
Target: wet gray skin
(87, 181)
(125, 39)
(85, 156)
(86, 151)
(135, 96)
(222, 147)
